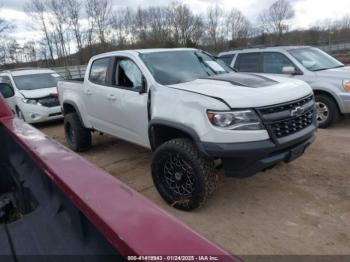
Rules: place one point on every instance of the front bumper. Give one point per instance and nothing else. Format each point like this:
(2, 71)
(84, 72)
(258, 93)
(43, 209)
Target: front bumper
(37, 114)
(246, 159)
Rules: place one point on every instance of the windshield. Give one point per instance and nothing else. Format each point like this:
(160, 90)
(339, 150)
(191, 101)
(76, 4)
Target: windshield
(173, 67)
(314, 59)
(36, 81)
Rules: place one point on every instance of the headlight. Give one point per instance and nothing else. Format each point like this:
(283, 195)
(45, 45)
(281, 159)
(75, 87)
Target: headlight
(236, 120)
(346, 85)
(31, 101)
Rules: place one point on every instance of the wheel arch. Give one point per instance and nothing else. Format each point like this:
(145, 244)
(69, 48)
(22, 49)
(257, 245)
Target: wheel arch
(71, 107)
(329, 94)
(160, 131)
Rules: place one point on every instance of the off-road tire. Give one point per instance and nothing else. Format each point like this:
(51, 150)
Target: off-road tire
(81, 139)
(333, 112)
(204, 176)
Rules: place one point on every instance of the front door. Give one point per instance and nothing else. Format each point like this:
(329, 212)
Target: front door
(127, 105)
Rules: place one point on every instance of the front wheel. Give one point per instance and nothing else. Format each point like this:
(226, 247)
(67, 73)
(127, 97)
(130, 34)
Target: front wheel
(182, 175)
(327, 111)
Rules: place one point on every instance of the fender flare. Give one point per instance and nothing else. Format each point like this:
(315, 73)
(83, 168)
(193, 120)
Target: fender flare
(73, 104)
(186, 129)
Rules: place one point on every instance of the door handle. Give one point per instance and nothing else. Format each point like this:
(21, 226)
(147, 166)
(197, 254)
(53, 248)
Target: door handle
(112, 97)
(88, 92)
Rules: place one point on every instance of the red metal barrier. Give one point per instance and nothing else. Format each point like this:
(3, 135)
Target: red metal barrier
(131, 223)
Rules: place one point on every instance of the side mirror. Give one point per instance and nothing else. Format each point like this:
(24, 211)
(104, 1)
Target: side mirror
(6, 90)
(288, 70)
(143, 88)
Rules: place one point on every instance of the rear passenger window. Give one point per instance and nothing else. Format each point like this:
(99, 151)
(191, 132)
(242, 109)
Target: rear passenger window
(227, 59)
(248, 62)
(99, 69)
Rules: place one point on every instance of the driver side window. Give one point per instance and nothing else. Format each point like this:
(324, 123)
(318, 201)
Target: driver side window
(128, 75)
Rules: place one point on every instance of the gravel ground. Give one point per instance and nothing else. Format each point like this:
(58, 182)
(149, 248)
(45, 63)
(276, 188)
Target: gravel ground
(297, 208)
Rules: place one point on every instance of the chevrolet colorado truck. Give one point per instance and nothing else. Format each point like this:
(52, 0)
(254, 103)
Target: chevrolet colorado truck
(194, 112)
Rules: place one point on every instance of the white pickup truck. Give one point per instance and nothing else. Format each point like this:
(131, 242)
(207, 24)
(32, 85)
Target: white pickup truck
(195, 113)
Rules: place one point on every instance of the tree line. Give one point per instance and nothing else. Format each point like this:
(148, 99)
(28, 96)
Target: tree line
(73, 30)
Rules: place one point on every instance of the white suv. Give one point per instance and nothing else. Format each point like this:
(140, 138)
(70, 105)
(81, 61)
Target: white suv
(35, 94)
(328, 77)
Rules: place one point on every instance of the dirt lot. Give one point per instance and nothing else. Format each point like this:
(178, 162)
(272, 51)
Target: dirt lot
(299, 208)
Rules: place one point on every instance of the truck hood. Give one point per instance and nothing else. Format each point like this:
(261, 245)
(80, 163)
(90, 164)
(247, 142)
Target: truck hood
(340, 73)
(39, 93)
(248, 90)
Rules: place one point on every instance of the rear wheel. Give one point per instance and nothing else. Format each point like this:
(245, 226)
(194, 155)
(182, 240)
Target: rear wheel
(327, 111)
(182, 175)
(78, 137)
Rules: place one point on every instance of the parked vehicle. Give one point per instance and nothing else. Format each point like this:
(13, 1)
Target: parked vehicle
(8, 93)
(193, 111)
(328, 77)
(35, 94)
(56, 206)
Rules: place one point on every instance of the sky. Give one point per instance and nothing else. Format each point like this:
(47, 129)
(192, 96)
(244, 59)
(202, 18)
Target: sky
(307, 12)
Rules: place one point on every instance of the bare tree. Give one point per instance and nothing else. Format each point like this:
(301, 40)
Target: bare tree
(214, 21)
(5, 25)
(158, 22)
(58, 10)
(345, 22)
(275, 18)
(238, 26)
(99, 16)
(187, 27)
(73, 15)
(37, 10)
(122, 20)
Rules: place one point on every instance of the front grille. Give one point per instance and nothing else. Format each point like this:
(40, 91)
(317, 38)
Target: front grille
(290, 126)
(280, 121)
(288, 106)
(49, 101)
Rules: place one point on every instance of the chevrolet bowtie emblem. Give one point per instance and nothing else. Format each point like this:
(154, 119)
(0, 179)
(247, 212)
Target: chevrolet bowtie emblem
(297, 111)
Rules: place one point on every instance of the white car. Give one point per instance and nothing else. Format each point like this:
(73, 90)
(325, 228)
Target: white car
(329, 78)
(35, 94)
(194, 112)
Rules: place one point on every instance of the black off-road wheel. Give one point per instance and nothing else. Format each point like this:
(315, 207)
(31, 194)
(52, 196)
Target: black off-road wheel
(182, 175)
(78, 137)
(327, 111)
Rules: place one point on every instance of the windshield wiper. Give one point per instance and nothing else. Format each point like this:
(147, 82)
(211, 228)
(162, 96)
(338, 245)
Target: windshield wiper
(201, 60)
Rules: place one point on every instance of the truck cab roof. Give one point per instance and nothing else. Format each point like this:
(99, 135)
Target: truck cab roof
(142, 51)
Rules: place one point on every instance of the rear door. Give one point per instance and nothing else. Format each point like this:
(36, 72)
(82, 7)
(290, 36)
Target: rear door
(96, 91)
(248, 62)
